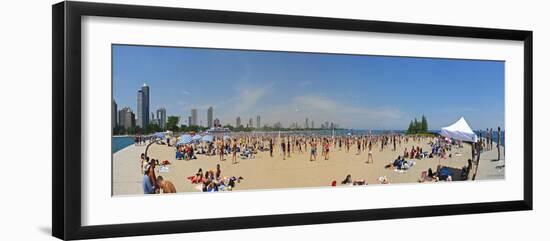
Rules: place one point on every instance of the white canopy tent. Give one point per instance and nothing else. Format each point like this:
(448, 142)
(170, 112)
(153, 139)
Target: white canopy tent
(460, 130)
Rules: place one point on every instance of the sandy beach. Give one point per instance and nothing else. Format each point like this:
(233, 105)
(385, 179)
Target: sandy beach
(265, 172)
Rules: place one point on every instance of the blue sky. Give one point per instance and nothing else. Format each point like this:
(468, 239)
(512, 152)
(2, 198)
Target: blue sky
(362, 92)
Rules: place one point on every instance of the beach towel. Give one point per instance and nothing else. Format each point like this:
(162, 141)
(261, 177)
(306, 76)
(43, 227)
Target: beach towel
(164, 169)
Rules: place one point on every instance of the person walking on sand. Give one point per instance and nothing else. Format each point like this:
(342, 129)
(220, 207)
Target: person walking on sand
(271, 147)
(369, 157)
(288, 147)
(165, 186)
(498, 143)
(327, 149)
(491, 138)
(358, 147)
(313, 153)
(219, 149)
(283, 148)
(234, 151)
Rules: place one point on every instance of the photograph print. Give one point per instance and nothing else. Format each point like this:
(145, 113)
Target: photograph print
(198, 120)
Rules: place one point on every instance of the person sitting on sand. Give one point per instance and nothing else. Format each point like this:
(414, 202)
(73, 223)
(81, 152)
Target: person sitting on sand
(197, 178)
(165, 186)
(147, 186)
(432, 175)
(151, 173)
(395, 164)
(144, 161)
(383, 180)
(218, 171)
(347, 180)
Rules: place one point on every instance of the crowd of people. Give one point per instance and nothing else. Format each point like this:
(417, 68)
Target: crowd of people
(213, 181)
(153, 184)
(210, 181)
(247, 146)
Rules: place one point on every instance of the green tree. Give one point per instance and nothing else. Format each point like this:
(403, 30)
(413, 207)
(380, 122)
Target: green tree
(411, 128)
(172, 123)
(151, 128)
(183, 128)
(424, 124)
(194, 128)
(418, 127)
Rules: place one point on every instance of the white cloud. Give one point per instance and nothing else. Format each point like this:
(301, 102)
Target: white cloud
(248, 97)
(321, 109)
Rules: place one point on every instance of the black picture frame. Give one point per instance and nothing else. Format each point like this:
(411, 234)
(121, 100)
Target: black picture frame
(66, 152)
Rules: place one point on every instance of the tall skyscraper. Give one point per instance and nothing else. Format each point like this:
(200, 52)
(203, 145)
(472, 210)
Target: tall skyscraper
(312, 125)
(258, 125)
(114, 115)
(307, 123)
(194, 117)
(161, 116)
(127, 118)
(209, 116)
(139, 107)
(250, 123)
(143, 106)
(238, 122)
(189, 121)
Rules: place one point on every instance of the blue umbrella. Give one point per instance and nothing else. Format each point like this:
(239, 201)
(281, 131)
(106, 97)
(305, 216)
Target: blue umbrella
(208, 138)
(184, 139)
(197, 138)
(159, 135)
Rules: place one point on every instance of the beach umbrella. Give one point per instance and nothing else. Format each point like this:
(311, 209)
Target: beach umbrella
(207, 138)
(197, 137)
(184, 139)
(159, 135)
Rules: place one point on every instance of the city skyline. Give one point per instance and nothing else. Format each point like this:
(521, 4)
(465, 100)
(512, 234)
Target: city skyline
(379, 92)
(193, 118)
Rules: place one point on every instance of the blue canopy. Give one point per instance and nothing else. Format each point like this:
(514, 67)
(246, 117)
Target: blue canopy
(197, 137)
(208, 138)
(159, 135)
(184, 139)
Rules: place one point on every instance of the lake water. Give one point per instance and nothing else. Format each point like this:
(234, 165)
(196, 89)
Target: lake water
(483, 133)
(121, 142)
